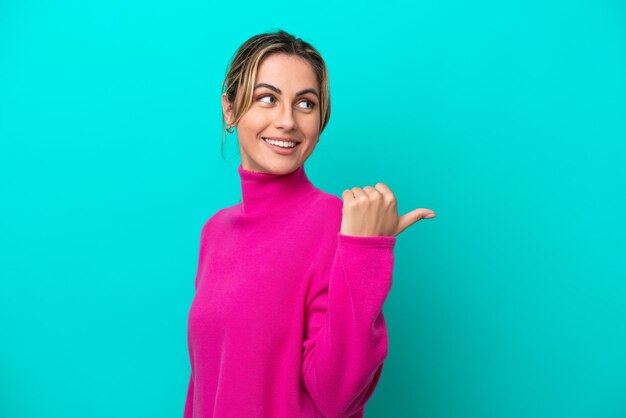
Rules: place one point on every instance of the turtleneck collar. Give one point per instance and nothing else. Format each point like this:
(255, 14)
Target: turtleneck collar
(263, 192)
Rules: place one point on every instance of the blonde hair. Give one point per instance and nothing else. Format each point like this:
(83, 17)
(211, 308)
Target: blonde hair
(242, 70)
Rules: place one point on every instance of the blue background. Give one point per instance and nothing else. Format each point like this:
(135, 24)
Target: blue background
(505, 118)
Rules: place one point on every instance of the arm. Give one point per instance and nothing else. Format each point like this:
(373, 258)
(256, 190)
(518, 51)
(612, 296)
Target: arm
(201, 253)
(188, 412)
(346, 336)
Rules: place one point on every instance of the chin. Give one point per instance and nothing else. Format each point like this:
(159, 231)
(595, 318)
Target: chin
(282, 168)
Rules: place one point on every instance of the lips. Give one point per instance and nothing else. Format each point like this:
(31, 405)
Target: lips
(281, 138)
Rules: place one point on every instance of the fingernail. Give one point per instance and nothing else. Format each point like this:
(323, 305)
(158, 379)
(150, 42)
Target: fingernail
(430, 215)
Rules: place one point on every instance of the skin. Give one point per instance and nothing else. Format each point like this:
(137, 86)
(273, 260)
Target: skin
(279, 115)
(367, 211)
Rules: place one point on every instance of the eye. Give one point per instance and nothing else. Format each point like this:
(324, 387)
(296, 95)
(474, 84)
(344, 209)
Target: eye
(308, 104)
(266, 99)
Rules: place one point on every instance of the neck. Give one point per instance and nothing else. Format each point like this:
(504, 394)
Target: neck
(265, 192)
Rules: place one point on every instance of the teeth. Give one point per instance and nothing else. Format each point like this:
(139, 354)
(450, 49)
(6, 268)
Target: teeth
(282, 144)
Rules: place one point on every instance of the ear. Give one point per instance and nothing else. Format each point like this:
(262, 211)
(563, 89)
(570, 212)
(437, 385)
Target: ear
(227, 109)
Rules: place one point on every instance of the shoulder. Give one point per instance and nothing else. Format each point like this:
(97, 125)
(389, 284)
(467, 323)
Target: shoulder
(324, 212)
(219, 218)
(327, 200)
(326, 204)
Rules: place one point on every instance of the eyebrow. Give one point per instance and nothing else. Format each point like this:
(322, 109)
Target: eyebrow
(277, 90)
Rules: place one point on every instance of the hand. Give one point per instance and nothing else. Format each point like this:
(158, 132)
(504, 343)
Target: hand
(373, 211)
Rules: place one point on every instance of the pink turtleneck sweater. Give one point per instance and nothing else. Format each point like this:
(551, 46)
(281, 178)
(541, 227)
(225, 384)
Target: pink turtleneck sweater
(287, 318)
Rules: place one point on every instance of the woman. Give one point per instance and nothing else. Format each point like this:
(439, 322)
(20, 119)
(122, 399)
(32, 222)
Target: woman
(287, 317)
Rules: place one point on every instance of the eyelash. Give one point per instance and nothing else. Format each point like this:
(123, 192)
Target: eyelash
(305, 100)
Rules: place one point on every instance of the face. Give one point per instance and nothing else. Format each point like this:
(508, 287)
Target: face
(285, 110)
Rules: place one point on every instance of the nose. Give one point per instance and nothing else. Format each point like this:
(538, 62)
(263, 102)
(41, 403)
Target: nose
(285, 118)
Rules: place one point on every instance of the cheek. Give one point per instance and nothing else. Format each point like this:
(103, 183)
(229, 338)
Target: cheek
(252, 123)
(310, 127)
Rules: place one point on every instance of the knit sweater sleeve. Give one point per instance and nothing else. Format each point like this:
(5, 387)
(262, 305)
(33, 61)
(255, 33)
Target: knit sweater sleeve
(345, 340)
(188, 410)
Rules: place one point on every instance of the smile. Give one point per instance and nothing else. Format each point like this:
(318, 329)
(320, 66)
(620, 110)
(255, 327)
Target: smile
(282, 144)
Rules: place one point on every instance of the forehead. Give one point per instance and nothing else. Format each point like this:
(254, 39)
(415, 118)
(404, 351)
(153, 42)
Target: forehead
(287, 72)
